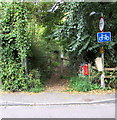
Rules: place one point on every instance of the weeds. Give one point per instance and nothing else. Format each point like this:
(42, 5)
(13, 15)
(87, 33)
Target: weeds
(36, 90)
(82, 84)
(34, 82)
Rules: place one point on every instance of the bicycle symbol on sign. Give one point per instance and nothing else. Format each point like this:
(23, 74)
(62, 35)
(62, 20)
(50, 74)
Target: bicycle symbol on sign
(104, 36)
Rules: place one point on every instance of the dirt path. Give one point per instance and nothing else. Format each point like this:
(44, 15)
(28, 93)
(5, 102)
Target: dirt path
(56, 83)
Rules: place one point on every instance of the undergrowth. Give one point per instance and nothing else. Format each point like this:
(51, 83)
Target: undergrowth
(83, 84)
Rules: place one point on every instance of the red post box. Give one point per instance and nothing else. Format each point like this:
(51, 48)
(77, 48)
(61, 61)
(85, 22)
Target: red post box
(85, 69)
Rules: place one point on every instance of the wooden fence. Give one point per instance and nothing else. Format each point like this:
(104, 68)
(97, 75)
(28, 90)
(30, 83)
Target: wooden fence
(109, 71)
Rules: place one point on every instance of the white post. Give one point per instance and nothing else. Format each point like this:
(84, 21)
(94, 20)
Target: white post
(102, 76)
(102, 53)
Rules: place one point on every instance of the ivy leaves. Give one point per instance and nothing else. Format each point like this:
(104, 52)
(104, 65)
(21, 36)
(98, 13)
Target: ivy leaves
(15, 46)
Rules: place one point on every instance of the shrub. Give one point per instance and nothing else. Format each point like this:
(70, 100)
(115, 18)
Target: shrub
(36, 90)
(82, 84)
(34, 82)
(111, 82)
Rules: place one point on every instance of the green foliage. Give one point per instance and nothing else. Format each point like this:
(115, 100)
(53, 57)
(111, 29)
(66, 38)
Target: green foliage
(14, 47)
(12, 77)
(34, 82)
(28, 31)
(34, 79)
(43, 45)
(36, 90)
(25, 40)
(112, 81)
(82, 84)
(78, 31)
(56, 64)
(43, 53)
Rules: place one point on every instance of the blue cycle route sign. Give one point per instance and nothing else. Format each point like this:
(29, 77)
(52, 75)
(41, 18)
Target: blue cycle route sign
(104, 36)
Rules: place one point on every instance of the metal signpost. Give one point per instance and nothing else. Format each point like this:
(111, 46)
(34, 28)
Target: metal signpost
(101, 38)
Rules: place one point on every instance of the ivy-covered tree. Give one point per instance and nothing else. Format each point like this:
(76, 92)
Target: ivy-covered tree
(14, 46)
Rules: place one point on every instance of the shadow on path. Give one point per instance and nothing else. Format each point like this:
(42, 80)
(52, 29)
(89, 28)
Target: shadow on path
(56, 82)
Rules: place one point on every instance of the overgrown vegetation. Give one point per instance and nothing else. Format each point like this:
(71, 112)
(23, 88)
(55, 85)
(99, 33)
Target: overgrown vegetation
(79, 31)
(33, 39)
(15, 47)
(82, 83)
(112, 81)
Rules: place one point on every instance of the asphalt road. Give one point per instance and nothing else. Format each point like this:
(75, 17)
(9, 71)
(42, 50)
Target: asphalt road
(59, 111)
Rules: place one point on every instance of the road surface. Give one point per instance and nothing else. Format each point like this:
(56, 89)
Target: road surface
(105, 110)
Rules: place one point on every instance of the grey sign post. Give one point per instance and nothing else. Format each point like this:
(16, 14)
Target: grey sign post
(101, 27)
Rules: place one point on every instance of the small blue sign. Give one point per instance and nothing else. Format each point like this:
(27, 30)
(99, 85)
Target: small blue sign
(104, 36)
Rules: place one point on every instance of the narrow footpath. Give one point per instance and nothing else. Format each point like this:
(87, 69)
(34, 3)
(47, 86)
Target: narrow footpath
(56, 82)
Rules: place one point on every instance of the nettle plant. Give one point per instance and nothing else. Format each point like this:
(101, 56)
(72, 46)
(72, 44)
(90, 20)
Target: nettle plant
(15, 46)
